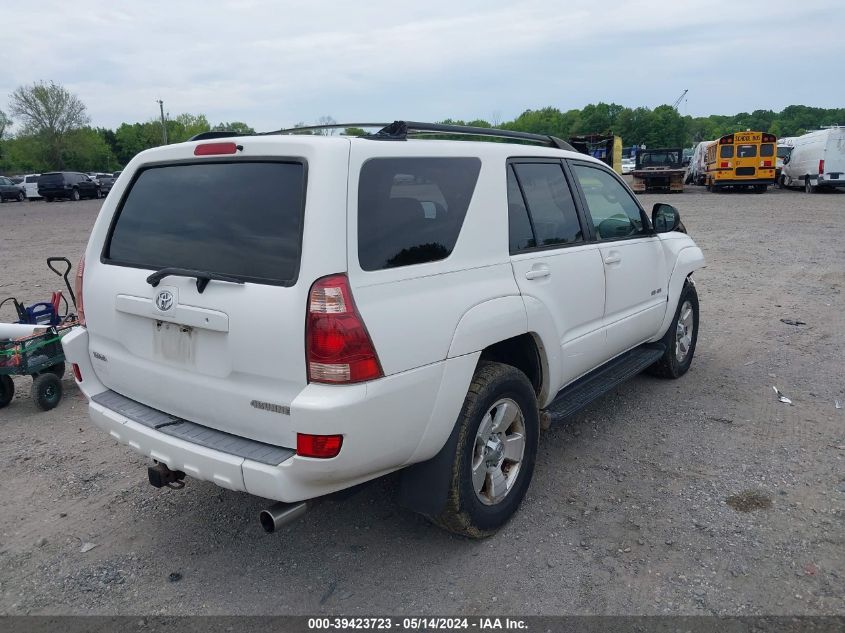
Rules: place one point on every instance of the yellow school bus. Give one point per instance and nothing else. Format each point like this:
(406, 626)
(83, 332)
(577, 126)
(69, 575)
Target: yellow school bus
(742, 159)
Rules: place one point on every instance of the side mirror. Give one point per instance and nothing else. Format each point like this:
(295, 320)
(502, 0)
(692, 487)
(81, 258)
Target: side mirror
(665, 218)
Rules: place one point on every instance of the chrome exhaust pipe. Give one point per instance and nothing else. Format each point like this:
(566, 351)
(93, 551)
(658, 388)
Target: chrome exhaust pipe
(280, 514)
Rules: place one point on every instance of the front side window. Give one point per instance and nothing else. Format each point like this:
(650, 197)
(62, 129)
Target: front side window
(614, 211)
(410, 210)
(550, 203)
(196, 216)
(726, 151)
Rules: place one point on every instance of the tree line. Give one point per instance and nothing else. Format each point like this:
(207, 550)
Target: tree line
(54, 130)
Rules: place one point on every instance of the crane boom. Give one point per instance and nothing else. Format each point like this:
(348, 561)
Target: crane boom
(679, 99)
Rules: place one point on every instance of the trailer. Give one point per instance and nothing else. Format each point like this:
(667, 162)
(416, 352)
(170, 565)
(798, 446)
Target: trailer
(659, 169)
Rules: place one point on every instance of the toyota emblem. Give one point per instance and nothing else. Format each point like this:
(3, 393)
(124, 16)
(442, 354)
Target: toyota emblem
(164, 300)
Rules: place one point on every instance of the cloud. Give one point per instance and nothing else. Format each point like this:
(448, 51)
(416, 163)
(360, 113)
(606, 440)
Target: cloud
(277, 63)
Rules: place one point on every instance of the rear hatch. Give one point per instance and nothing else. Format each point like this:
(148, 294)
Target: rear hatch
(228, 354)
(746, 159)
(834, 153)
(51, 182)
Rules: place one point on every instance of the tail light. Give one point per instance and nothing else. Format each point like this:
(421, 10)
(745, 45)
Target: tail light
(76, 372)
(80, 309)
(767, 163)
(821, 166)
(338, 348)
(724, 164)
(320, 446)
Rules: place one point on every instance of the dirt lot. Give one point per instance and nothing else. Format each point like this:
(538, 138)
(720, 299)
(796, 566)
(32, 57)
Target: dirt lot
(642, 504)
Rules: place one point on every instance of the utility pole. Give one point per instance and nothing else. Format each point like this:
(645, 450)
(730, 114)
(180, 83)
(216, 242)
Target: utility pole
(163, 124)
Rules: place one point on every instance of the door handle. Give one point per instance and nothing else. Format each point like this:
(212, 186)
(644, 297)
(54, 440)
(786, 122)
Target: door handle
(612, 258)
(537, 273)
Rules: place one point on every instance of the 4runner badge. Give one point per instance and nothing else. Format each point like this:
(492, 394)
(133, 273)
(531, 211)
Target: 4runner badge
(164, 300)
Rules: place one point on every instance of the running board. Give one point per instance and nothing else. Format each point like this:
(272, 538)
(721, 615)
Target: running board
(583, 391)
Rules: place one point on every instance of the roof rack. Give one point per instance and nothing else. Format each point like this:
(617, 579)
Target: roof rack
(403, 130)
(328, 126)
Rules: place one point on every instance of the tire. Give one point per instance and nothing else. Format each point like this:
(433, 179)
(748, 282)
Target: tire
(497, 390)
(780, 183)
(760, 188)
(7, 390)
(46, 391)
(74, 195)
(808, 185)
(675, 363)
(48, 199)
(58, 370)
(21, 197)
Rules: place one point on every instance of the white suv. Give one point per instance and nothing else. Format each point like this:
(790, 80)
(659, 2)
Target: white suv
(291, 315)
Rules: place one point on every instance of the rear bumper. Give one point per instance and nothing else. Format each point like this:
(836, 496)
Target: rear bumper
(823, 181)
(387, 424)
(55, 193)
(735, 182)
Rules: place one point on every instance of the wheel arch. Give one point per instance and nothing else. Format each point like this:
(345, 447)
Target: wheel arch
(687, 262)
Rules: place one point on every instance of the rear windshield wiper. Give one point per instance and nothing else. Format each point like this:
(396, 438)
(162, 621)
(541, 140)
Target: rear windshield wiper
(202, 276)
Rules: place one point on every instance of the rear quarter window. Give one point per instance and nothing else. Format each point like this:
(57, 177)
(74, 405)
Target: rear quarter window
(238, 218)
(410, 210)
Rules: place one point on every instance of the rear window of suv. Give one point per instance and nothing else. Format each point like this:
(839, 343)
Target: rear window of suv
(56, 178)
(410, 210)
(238, 218)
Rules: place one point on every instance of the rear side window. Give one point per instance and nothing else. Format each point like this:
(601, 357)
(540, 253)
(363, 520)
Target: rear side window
(30, 179)
(726, 151)
(767, 149)
(519, 226)
(198, 216)
(410, 210)
(550, 203)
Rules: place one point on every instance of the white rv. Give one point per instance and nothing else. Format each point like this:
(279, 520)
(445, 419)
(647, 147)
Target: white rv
(697, 171)
(784, 149)
(817, 160)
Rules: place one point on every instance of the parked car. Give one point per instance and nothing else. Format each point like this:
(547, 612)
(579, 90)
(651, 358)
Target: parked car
(30, 185)
(628, 165)
(106, 181)
(817, 161)
(10, 190)
(312, 336)
(67, 184)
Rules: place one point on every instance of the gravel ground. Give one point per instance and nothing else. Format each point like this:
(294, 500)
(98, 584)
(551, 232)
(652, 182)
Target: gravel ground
(699, 496)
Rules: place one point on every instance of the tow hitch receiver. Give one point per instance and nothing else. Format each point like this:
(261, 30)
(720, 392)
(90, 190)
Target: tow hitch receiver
(160, 476)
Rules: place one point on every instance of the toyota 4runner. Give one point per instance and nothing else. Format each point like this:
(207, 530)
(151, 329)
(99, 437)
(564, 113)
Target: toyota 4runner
(292, 315)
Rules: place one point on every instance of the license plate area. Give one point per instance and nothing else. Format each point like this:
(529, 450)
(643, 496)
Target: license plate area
(174, 343)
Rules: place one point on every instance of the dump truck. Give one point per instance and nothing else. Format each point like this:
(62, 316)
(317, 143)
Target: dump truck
(659, 169)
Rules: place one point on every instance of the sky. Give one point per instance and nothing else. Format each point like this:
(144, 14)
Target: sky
(275, 64)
